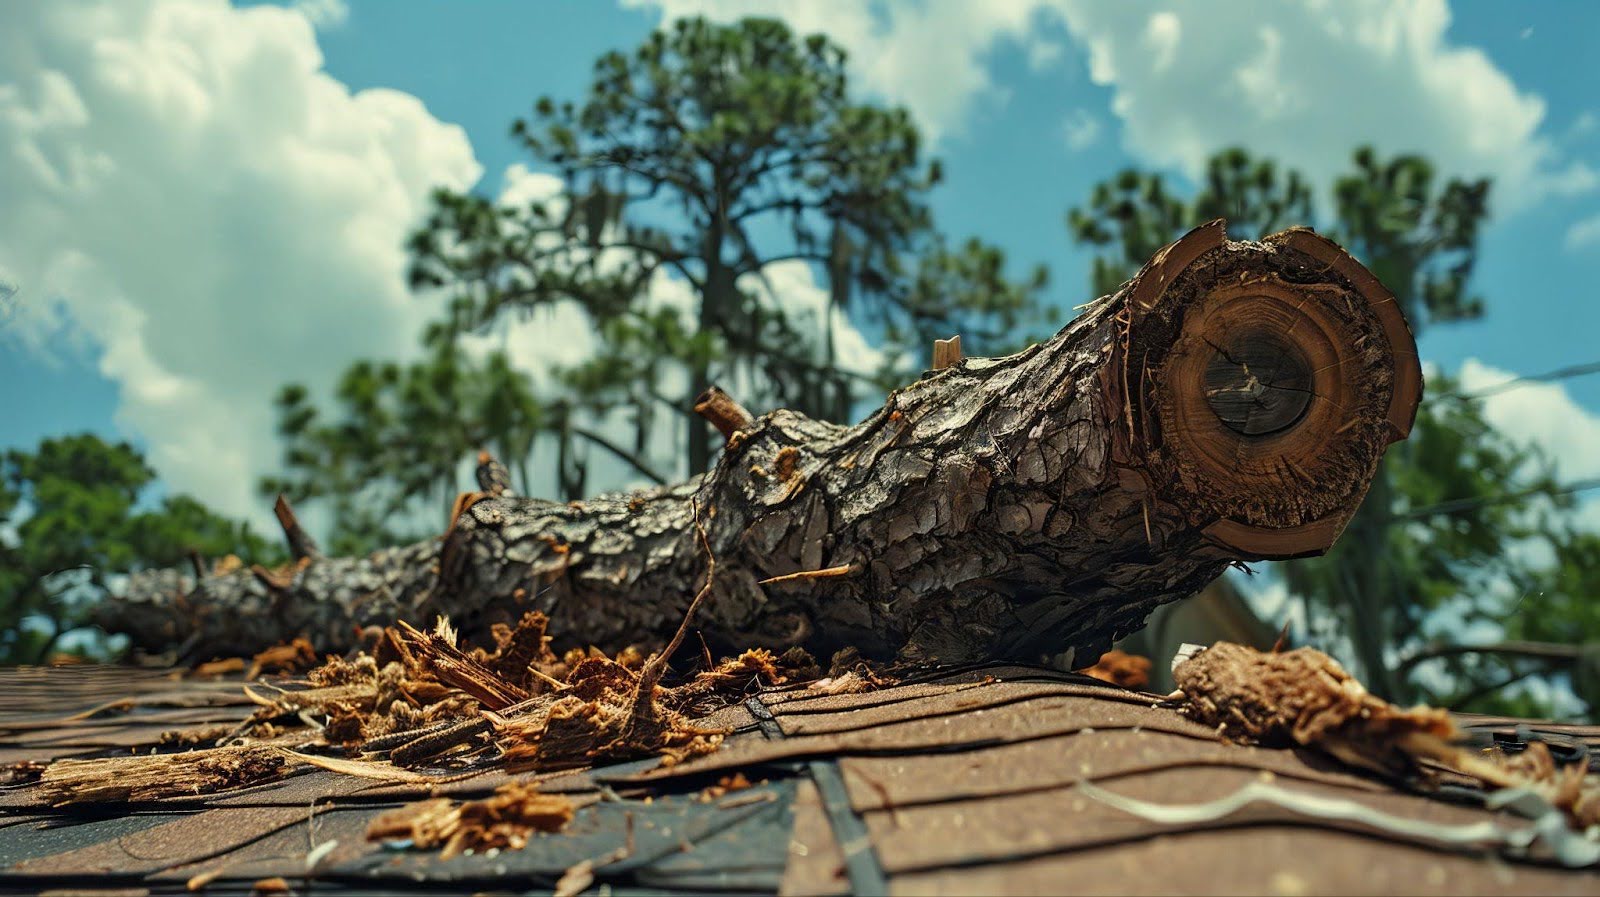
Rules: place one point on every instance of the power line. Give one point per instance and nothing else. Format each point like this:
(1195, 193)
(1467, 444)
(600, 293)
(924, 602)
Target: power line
(1456, 506)
(1564, 373)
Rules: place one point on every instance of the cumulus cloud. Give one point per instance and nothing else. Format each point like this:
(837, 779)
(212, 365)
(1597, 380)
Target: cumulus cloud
(1080, 130)
(323, 13)
(190, 193)
(1583, 234)
(1304, 81)
(928, 56)
(1542, 413)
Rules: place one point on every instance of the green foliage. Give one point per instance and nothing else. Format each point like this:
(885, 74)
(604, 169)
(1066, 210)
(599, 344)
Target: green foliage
(707, 154)
(75, 505)
(1444, 545)
(401, 432)
(1435, 537)
(1135, 213)
(712, 152)
(965, 290)
(1419, 241)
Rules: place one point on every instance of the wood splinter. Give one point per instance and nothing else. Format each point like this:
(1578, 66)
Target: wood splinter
(946, 352)
(825, 573)
(727, 415)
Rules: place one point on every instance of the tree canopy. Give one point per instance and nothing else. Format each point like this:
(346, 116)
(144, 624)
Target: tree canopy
(82, 513)
(695, 165)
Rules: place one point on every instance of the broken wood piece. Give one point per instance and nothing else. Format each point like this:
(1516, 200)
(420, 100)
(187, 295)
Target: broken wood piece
(301, 545)
(504, 820)
(1306, 698)
(1020, 507)
(436, 652)
(152, 777)
(1130, 671)
(719, 408)
(825, 573)
(946, 352)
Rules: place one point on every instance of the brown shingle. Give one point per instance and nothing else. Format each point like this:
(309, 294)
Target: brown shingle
(963, 783)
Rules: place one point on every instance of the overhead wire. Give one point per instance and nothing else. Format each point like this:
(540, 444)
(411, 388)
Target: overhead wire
(1456, 506)
(1520, 381)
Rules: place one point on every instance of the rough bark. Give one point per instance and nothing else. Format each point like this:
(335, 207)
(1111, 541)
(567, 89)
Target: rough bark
(1230, 403)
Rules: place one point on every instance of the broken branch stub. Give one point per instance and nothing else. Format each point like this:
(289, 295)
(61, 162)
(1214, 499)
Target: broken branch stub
(1229, 403)
(722, 412)
(946, 352)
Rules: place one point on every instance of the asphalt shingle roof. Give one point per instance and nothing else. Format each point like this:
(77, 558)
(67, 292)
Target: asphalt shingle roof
(965, 782)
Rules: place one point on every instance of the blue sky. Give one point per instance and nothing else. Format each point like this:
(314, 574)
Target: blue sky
(217, 208)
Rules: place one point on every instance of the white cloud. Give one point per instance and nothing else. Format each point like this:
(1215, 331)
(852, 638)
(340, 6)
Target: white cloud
(928, 56)
(323, 13)
(1583, 234)
(1080, 130)
(1304, 81)
(1544, 415)
(191, 194)
(1162, 32)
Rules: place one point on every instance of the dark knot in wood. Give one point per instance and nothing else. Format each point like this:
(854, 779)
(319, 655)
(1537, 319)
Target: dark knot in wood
(1259, 383)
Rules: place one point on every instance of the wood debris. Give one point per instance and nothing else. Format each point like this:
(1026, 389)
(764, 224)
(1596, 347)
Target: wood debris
(435, 702)
(221, 667)
(294, 656)
(724, 785)
(505, 820)
(1121, 668)
(156, 776)
(1304, 697)
(411, 699)
(21, 771)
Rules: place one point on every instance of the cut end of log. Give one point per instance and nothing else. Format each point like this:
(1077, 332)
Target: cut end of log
(1258, 385)
(719, 408)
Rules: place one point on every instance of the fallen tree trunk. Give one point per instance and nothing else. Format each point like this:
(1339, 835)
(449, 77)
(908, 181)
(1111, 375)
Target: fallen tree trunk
(1230, 403)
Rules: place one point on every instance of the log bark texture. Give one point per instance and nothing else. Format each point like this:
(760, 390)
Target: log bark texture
(1229, 403)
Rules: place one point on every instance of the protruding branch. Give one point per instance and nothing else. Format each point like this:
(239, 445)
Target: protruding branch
(301, 545)
(493, 478)
(946, 352)
(728, 416)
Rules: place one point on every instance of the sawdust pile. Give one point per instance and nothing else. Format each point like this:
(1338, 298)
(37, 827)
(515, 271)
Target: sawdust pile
(1304, 697)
